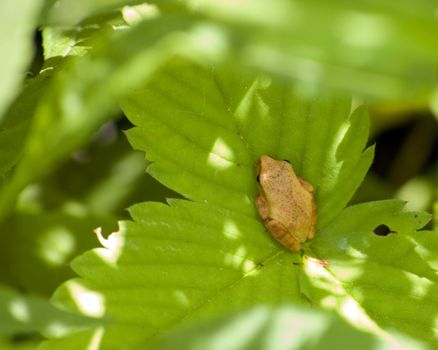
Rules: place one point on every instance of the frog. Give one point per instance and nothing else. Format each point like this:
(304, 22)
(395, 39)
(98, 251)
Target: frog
(285, 203)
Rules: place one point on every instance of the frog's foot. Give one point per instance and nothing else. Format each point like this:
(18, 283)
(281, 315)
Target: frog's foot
(306, 184)
(313, 224)
(282, 235)
(262, 207)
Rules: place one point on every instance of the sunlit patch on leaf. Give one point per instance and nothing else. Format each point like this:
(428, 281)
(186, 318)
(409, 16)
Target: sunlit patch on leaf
(221, 155)
(88, 302)
(113, 246)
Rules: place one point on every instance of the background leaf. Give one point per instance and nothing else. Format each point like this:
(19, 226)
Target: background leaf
(27, 314)
(62, 42)
(55, 218)
(71, 12)
(279, 328)
(17, 121)
(39, 246)
(378, 50)
(83, 95)
(18, 19)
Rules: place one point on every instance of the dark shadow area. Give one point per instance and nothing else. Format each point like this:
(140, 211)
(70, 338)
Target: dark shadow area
(406, 149)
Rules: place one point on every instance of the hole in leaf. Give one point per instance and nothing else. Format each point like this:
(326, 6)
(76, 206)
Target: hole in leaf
(383, 230)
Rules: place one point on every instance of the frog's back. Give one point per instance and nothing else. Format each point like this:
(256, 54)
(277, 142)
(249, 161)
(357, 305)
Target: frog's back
(292, 203)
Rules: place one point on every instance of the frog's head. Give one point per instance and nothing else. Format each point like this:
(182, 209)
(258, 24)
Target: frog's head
(265, 164)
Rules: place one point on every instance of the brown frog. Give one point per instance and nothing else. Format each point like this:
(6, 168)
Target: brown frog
(285, 203)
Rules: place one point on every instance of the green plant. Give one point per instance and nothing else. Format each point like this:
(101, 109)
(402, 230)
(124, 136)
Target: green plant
(209, 87)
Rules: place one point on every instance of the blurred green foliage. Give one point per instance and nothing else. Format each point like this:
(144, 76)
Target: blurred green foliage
(280, 328)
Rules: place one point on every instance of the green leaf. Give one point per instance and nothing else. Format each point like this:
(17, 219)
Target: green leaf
(209, 253)
(392, 277)
(17, 23)
(61, 42)
(276, 328)
(220, 251)
(27, 314)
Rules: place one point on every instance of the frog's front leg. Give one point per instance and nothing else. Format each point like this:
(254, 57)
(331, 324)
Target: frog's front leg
(282, 235)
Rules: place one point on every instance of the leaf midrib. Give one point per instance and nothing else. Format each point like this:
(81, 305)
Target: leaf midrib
(219, 292)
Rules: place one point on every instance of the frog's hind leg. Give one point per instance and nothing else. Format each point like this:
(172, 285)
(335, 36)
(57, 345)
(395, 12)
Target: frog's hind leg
(306, 184)
(282, 235)
(262, 207)
(313, 224)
